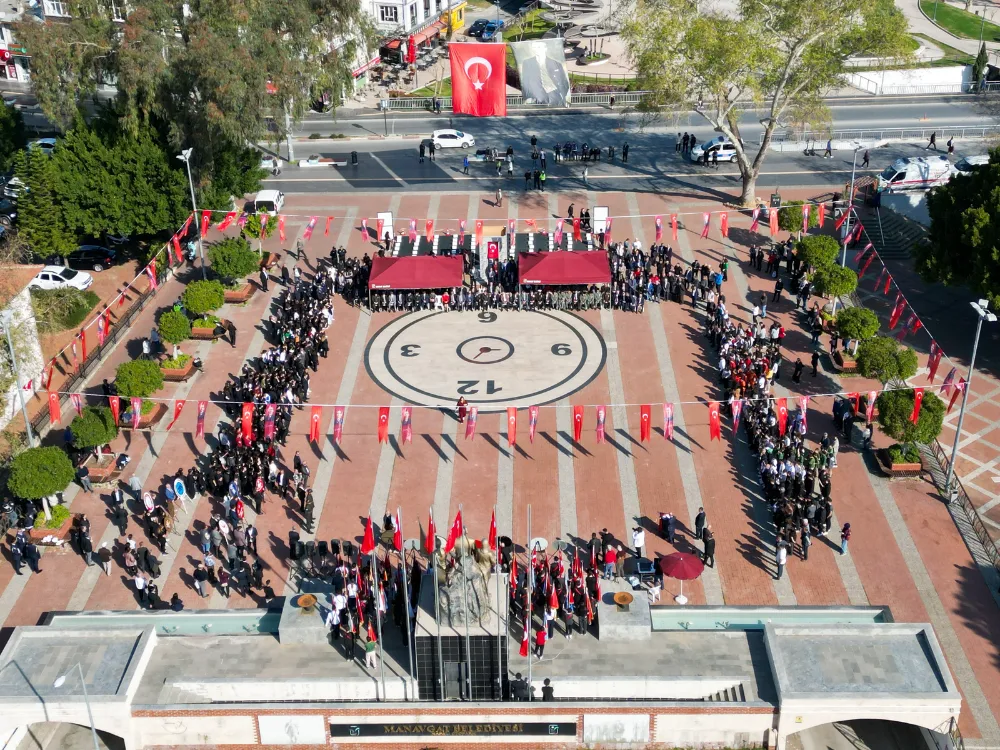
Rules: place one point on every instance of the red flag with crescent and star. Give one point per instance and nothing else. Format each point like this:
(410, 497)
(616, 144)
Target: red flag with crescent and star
(429, 229)
(269, 413)
(478, 79)
(897, 311)
(804, 411)
(492, 537)
(645, 420)
(557, 238)
(673, 226)
(918, 399)
(430, 542)
(706, 218)
(54, 409)
(772, 220)
(83, 344)
(668, 421)
(954, 395)
(281, 228)
(365, 237)
(454, 533)
(602, 413)
(397, 537)
(532, 422)
(933, 361)
(116, 405)
(841, 219)
(577, 422)
(511, 230)
(821, 214)
(379, 226)
(338, 423)
(470, 423)
(782, 405)
(246, 423)
(511, 425)
(577, 235)
(151, 273)
(406, 424)
(175, 243)
(413, 230)
(805, 218)
(658, 221)
(314, 419)
(949, 379)
(368, 542)
(178, 408)
(206, 217)
(737, 410)
(229, 218)
(100, 330)
(383, 424)
(607, 231)
(200, 428)
(479, 232)
(870, 411)
(714, 426)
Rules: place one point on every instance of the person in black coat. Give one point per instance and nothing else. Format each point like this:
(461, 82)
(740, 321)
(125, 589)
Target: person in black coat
(709, 539)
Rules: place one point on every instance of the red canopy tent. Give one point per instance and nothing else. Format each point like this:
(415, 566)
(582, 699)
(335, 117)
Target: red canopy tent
(416, 272)
(563, 267)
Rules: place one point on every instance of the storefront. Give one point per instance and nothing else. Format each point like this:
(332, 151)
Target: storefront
(454, 19)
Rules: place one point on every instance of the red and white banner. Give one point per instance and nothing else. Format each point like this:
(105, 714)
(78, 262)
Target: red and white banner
(151, 273)
(673, 227)
(782, 406)
(116, 406)
(413, 230)
(492, 250)
(577, 422)
(338, 423)
(805, 218)
(960, 388)
(839, 222)
(200, 428)
(74, 398)
(100, 330)
(206, 217)
(658, 222)
(379, 226)
(881, 276)
(406, 424)
(947, 383)
(577, 234)
(365, 237)
(383, 424)
(868, 262)
(821, 214)
(461, 232)
(136, 412)
(602, 413)
(227, 221)
(429, 229)
(668, 421)
(706, 217)
(430, 541)
(478, 79)
(755, 219)
(491, 537)
(511, 230)
(888, 281)
(178, 408)
(557, 239)
(804, 411)
(454, 533)
(737, 408)
(511, 425)
(315, 415)
(479, 232)
(645, 422)
(55, 412)
(532, 422)
(175, 243)
(246, 422)
(870, 410)
(724, 223)
(855, 398)
(857, 232)
(933, 361)
(281, 228)
(607, 231)
(714, 426)
(270, 411)
(470, 423)
(910, 322)
(918, 399)
(367, 547)
(897, 310)
(772, 219)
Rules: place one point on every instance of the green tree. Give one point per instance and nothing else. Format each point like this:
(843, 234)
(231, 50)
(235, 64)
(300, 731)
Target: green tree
(817, 250)
(232, 258)
(834, 281)
(138, 378)
(94, 428)
(174, 326)
(258, 229)
(236, 172)
(781, 55)
(203, 297)
(857, 323)
(40, 219)
(979, 66)
(12, 135)
(963, 244)
(39, 473)
(895, 409)
(884, 359)
(790, 216)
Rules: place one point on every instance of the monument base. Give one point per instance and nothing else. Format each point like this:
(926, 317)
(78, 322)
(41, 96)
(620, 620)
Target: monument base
(306, 625)
(620, 623)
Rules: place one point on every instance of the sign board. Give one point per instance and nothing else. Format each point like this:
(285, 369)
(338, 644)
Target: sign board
(179, 489)
(599, 218)
(484, 729)
(234, 489)
(147, 500)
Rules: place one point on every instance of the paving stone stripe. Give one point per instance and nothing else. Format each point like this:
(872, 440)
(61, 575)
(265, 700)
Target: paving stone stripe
(386, 461)
(567, 478)
(505, 458)
(619, 414)
(445, 473)
(957, 660)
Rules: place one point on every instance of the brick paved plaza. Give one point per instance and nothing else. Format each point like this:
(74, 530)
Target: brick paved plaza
(906, 551)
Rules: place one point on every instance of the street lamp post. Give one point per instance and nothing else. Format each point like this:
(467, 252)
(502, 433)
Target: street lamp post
(7, 318)
(850, 205)
(61, 680)
(185, 156)
(982, 310)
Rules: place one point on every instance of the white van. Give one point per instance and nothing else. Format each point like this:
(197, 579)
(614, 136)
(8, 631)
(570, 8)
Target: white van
(269, 202)
(915, 173)
(970, 164)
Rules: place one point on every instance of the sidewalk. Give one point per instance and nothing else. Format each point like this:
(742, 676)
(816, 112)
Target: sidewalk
(920, 24)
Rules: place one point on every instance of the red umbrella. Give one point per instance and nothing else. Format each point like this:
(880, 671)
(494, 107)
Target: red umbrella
(682, 567)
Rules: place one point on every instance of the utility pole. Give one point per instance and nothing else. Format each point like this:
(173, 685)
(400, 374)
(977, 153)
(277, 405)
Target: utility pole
(982, 310)
(288, 135)
(185, 156)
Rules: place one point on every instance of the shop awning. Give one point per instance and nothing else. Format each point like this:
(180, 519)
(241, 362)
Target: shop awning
(416, 272)
(562, 267)
(431, 31)
(370, 64)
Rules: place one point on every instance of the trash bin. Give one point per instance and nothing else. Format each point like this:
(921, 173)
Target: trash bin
(354, 158)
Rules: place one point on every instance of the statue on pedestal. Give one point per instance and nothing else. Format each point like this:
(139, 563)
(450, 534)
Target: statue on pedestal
(463, 576)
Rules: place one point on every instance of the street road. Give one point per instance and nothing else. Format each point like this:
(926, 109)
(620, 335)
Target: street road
(394, 166)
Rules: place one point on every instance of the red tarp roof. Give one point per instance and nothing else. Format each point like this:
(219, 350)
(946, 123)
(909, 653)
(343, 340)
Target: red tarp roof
(565, 267)
(416, 272)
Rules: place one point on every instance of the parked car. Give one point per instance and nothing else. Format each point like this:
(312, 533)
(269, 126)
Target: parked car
(702, 153)
(92, 258)
(58, 277)
(915, 173)
(8, 212)
(13, 188)
(970, 164)
(491, 29)
(45, 145)
(452, 139)
(269, 202)
(477, 28)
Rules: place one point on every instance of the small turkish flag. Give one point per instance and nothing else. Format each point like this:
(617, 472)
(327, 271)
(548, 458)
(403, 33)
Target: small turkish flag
(379, 226)
(576, 229)
(454, 533)
(933, 361)
(577, 422)
(397, 536)
(772, 218)
(782, 404)
(246, 424)
(429, 229)
(960, 388)
(607, 231)
(805, 218)
(115, 403)
(368, 543)
(314, 418)
(175, 243)
(511, 425)
(821, 214)
(601, 416)
(918, 399)
(492, 250)
(413, 230)
(479, 232)
(461, 233)
(226, 222)
(524, 639)
(707, 218)
(843, 217)
(269, 413)
(897, 311)
(714, 426)
(281, 228)
(532, 422)
(406, 425)
(74, 398)
(54, 409)
(365, 237)
(200, 428)
(136, 412)
(178, 408)
(383, 424)
(645, 421)
(308, 231)
(430, 543)
(470, 423)
(206, 217)
(492, 538)
(872, 396)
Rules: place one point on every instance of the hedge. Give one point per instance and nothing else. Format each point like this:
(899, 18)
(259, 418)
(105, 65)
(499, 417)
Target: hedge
(138, 378)
(895, 408)
(834, 281)
(858, 323)
(95, 427)
(40, 472)
(817, 250)
(201, 297)
(232, 258)
(174, 326)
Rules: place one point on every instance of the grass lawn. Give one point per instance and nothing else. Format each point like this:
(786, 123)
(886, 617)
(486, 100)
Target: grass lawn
(959, 22)
(911, 44)
(952, 56)
(433, 89)
(531, 26)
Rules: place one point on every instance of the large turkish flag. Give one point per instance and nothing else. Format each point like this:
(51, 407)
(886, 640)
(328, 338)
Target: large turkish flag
(479, 78)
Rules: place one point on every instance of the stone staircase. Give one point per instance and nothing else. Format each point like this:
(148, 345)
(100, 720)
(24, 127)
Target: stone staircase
(735, 694)
(893, 234)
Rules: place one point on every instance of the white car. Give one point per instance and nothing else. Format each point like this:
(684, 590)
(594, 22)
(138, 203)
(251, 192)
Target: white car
(702, 152)
(45, 145)
(452, 139)
(59, 277)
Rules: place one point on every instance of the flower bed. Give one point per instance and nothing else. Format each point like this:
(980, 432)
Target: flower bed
(896, 462)
(58, 526)
(146, 418)
(179, 369)
(208, 328)
(102, 470)
(844, 363)
(240, 295)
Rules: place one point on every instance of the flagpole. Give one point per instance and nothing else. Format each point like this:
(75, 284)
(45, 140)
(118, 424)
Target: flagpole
(378, 617)
(527, 609)
(499, 631)
(437, 611)
(465, 589)
(406, 601)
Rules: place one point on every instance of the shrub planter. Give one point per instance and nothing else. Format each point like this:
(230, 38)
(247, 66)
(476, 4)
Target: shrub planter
(241, 295)
(145, 420)
(38, 534)
(178, 374)
(270, 260)
(844, 363)
(209, 334)
(897, 470)
(104, 470)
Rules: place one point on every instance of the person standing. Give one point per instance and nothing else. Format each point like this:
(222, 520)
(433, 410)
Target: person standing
(465, 164)
(422, 151)
(232, 334)
(433, 149)
(371, 655)
(864, 160)
(541, 180)
(199, 577)
(699, 523)
(498, 203)
(539, 643)
(625, 153)
(828, 153)
(715, 159)
(845, 537)
(932, 143)
(677, 143)
(781, 557)
(805, 539)
(263, 279)
(541, 158)
(83, 475)
(104, 557)
(951, 145)
(639, 541)
(797, 372)
(815, 362)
